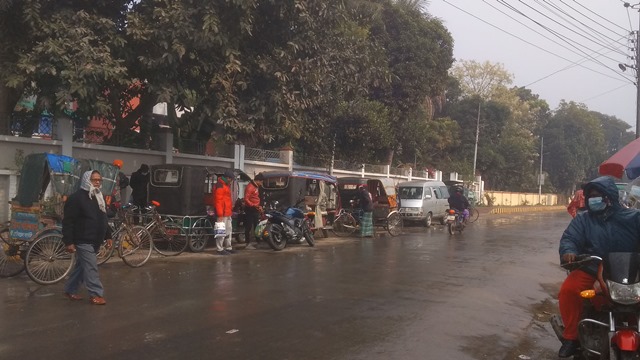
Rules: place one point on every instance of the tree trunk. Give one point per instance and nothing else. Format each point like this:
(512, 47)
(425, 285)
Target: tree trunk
(389, 156)
(9, 97)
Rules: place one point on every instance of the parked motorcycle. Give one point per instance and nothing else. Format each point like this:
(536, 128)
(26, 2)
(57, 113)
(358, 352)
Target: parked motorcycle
(610, 321)
(454, 221)
(280, 228)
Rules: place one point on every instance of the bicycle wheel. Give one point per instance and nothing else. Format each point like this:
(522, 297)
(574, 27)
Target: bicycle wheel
(135, 246)
(474, 214)
(47, 261)
(344, 225)
(199, 236)
(11, 263)
(105, 252)
(394, 224)
(170, 238)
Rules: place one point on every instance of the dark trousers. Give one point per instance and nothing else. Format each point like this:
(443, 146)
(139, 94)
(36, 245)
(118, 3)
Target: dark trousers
(251, 219)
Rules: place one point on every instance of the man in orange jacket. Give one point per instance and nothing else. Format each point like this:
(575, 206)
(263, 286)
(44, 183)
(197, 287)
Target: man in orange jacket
(577, 203)
(224, 205)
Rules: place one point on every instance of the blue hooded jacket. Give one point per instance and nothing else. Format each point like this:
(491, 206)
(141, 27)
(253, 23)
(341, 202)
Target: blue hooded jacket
(615, 230)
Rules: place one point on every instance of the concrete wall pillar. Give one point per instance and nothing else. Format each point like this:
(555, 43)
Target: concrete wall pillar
(286, 156)
(238, 156)
(64, 132)
(164, 141)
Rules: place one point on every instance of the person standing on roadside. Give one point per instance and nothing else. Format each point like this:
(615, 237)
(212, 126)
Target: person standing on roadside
(224, 209)
(366, 204)
(84, 228)
(139, 185)
(252, 211)
(122, 182)
(577, 203)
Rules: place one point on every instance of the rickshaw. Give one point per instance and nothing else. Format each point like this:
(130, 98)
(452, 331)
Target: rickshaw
(316, 194)
(32, 240)
(185, 197)
(385, 205)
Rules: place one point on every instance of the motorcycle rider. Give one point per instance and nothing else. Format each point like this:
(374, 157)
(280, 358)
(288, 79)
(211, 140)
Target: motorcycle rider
(605, 227)
(459, 202)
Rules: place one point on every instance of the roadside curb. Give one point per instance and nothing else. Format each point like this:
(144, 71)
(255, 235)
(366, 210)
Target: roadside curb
(524, 209)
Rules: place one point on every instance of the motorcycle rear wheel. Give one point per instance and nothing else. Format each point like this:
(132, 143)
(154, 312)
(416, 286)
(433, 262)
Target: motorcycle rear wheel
(276, 239)
(306, 232)
(450, 227)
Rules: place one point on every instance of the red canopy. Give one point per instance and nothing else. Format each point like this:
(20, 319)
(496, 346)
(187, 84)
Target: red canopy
(618, 162)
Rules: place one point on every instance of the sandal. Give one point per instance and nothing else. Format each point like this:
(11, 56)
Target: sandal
(97, 300)
(73, 297)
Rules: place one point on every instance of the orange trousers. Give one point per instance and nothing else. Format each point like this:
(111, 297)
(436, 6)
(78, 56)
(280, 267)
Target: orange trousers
(571, 303)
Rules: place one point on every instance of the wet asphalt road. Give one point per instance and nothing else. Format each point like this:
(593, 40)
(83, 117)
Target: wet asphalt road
(484, 294)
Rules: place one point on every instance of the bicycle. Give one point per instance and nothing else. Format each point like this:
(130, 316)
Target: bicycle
(134, 242)
(169, 237)
(473, 215)
(345, 223)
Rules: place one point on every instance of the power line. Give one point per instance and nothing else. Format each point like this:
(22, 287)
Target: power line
(563, 38)
(603, 18)
(604, 93)
(584, 59)
(534, 45)
(602, 35)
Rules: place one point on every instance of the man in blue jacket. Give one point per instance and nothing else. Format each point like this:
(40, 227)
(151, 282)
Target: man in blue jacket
(605, 227)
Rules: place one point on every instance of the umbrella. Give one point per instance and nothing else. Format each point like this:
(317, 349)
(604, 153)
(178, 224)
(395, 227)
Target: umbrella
(626, 160)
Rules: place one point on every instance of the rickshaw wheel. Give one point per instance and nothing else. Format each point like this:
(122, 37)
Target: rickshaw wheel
(47, 261)
(276, 238)
(306, 232)
(199, 235)
(394, 224)
(135, 246)
(11, 263)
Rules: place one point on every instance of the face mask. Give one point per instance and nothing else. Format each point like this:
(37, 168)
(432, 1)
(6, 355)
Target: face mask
(597, 204)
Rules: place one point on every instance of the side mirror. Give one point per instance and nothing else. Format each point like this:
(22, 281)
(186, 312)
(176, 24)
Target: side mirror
(428, 196)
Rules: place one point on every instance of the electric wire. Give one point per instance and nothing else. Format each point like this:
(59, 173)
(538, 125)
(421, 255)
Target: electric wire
(564, 38)
(629, 17)
(604, 93)
(602, 35)
(602, 17)
(534, 45)
(584, 59)
(561, 37)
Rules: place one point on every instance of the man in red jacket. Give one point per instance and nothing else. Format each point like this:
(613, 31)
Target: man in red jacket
(223, 204)
(252, 210)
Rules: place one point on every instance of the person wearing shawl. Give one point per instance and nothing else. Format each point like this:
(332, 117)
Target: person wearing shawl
(84, 228)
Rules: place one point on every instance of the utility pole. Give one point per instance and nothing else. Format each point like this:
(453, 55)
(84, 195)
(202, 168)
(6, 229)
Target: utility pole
(635, 66)
(637, 48)
(540, 175)
(475, 152)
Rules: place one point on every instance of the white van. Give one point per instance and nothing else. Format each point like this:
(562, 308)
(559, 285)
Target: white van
(423, 201)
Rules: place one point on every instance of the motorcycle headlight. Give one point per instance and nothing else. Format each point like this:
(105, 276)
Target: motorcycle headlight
(624, 294)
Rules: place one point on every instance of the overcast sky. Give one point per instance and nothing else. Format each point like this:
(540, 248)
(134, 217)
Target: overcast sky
(583, 28)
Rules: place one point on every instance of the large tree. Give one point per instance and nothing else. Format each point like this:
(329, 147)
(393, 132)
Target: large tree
(574, 140)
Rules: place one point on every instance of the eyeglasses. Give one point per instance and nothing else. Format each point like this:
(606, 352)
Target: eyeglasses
(96, 180)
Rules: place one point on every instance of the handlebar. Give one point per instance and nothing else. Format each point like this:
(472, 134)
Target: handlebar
(581, 260)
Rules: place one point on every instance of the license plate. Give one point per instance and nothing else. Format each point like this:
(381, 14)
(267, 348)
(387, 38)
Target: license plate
(451, 217)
